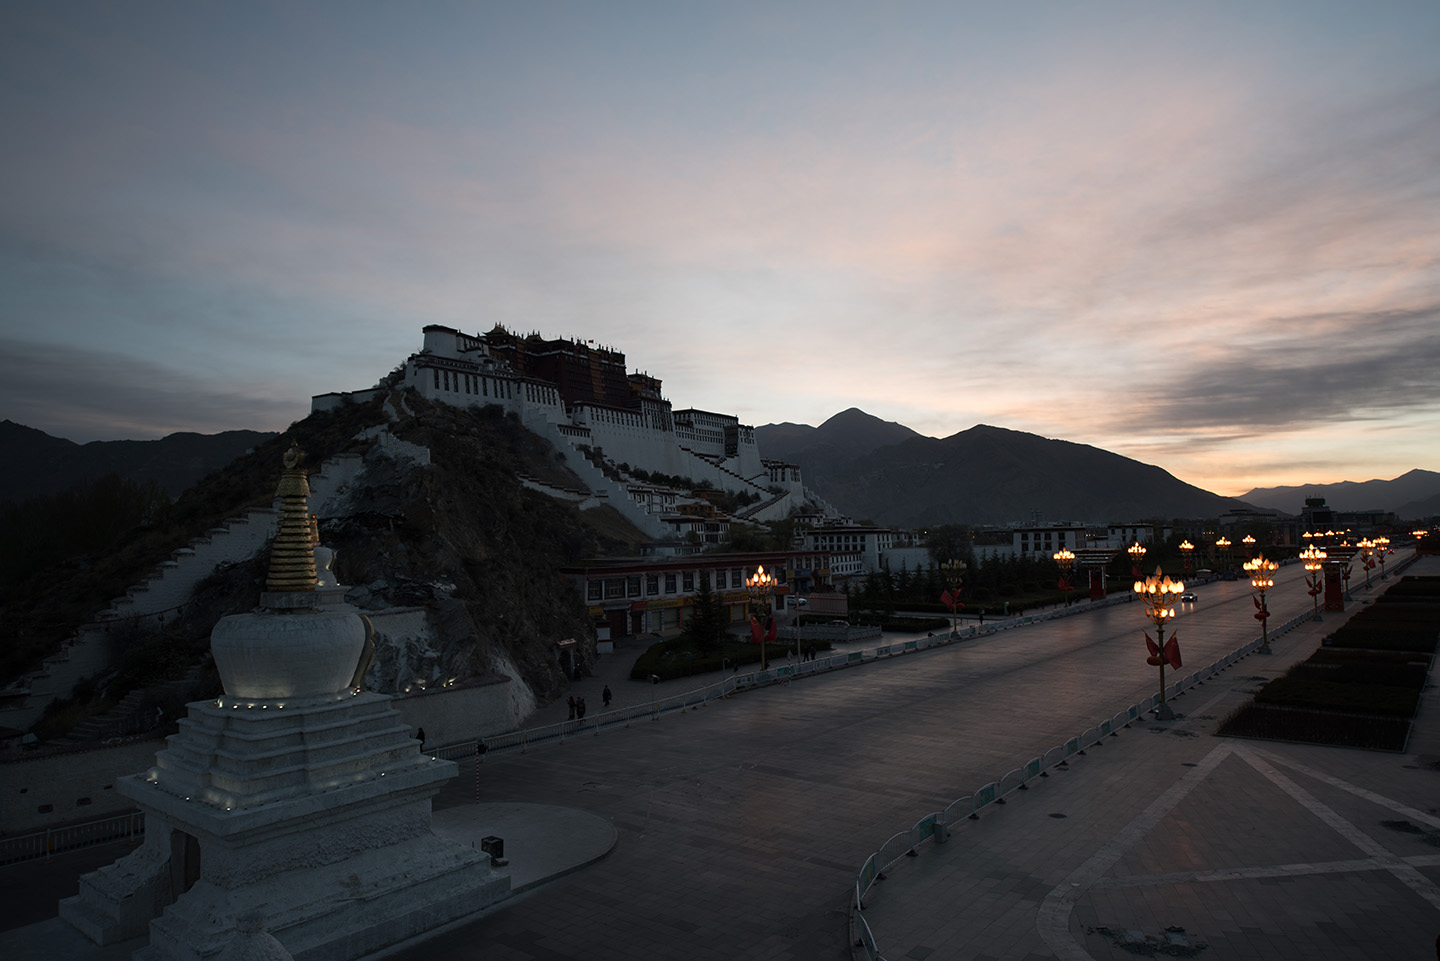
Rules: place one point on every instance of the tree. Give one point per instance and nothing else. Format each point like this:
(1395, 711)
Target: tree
(948, 542)
(707, 622)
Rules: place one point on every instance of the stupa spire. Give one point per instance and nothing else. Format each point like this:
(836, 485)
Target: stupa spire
(292, 557)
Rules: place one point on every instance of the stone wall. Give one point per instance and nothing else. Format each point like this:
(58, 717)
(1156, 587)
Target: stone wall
(453, 715)
(74, 786)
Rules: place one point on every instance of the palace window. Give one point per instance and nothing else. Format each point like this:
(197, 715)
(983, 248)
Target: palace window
(594, 590)
(669, 583)
(652, 584)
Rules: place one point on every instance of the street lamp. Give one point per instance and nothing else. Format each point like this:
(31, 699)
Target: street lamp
(1159, 593)
(1367, 548)
(1382, 547)
(761, 587)
(1260, 570)
(1249, 541)
(1419, 540)
(1314, 559)
(1137, 556)
(1065, 559)
(954, 573)
(1222, 547)
(1185, 548)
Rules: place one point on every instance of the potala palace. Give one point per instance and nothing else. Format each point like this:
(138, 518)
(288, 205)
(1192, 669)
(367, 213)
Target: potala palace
(582, 399)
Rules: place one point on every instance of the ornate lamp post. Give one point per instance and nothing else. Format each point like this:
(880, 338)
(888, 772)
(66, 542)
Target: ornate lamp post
(1382, 547)
(1260, 570)
(1249, 541)
(1314, 559)
(1065, 559)
(1137, 556)
(1222, 547)
(1185, 548)
(954, 573)
(1159, 593)
(1419, 540)
(1367, 548)
(762, 588)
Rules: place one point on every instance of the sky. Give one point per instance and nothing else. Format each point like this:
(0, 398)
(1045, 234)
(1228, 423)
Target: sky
(1202, 235)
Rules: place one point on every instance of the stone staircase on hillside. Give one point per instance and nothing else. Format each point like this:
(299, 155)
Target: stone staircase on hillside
(133, 714)
(603, 489)
(94, 646)
(718, 464)
(774, 507)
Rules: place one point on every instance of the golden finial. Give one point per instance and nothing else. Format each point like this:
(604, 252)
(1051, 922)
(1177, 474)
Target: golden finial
(292, 557)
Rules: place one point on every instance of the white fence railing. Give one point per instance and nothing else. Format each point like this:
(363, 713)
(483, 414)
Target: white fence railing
(51, 841)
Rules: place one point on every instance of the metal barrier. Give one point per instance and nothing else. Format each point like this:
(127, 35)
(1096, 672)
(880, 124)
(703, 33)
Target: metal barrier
(52, 841)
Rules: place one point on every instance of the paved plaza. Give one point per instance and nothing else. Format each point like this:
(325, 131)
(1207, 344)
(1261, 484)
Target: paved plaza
(737, 829)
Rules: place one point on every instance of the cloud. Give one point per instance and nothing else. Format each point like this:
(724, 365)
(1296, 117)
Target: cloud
(85, 395)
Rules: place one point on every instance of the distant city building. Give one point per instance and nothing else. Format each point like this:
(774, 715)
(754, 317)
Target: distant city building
(867, 544)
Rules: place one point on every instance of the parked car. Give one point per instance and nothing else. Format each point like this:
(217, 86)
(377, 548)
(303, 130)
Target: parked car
(1188, 597)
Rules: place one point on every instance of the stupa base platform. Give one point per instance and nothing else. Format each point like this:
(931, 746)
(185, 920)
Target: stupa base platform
(313, 819)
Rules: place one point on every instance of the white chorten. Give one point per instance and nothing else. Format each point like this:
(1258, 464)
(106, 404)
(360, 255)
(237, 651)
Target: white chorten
(295, 804)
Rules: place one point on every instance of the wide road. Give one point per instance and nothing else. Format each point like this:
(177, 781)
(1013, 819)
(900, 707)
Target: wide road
(742, 825)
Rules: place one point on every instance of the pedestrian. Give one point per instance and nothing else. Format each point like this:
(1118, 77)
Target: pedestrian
(420, 733)
(572, 707)
(580, 708)
(605, 695)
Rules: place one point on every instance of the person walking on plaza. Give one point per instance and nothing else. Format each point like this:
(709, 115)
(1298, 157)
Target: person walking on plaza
(605, 696)
(572, 707)
(580, 708)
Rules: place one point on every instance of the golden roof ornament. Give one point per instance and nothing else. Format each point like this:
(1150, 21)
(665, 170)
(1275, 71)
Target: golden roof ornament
(292, 557)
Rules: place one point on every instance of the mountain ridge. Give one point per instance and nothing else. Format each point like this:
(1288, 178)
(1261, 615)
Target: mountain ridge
(1414, 494)
(883, 471)
(176, 462)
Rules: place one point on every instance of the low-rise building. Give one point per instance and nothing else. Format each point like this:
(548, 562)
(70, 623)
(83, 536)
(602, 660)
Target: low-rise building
(656, 595)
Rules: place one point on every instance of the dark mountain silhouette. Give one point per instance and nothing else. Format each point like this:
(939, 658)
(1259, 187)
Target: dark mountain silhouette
(1414, 494)
(41, 464)
(830, 448)
(888, 473)
(1419, 510)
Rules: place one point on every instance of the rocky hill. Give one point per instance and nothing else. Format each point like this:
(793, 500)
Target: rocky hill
(881, 471)
(460, 538)
(175, 462)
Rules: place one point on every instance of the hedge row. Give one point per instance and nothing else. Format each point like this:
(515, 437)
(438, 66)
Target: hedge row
(1362, 687)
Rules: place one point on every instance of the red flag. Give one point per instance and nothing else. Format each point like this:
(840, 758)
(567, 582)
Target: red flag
(947, 600)
(770, 629)
(754, 630)
(1150, 645)
(1172, 652)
